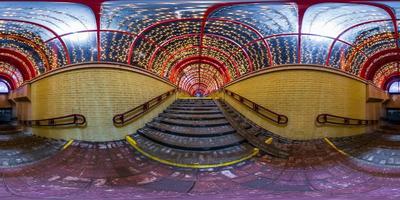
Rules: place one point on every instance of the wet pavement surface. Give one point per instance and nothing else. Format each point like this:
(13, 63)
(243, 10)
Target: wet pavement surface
(359, 167)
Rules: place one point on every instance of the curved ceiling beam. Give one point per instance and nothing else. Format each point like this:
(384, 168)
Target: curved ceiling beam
(218, 6)
(141, 33)
(392, 15)
(37, 47)
(390, 79)
(208, 73)
(234, 64)
(345, 31)
(360, 46)
(189, 82)
(199, 89)
(10, 80)
(269, 53)
(304, 5)
(304, 34)
(93, 30)
(161, 46)
(95, 7)
(225, 79)
(194, 59)
(372, 65)
(48, 29)
(25, 61)
(16, 64)
(193, 74)
(200, 84)
(102, 30)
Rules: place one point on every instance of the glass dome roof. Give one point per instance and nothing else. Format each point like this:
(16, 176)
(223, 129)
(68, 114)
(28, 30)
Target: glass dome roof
(199, 45)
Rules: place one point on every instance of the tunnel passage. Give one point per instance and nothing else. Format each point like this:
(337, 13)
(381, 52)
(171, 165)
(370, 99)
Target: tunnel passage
(199, 99)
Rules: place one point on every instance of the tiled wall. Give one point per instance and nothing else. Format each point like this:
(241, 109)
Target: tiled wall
(301, 95)
(99, 94)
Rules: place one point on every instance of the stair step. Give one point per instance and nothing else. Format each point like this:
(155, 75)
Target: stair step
(192, 117)
(192, 131)
(193, 157)
(196, 112)
(191, 143)
(192, 123)
(194, 105)
(173, 107)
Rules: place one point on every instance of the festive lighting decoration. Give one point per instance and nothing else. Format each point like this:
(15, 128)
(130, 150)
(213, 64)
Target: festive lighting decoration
(11, 72)
(199, 45)
(386, 72)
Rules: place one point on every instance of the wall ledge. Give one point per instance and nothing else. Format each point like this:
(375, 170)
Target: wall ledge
(99, 65)
(296, 67)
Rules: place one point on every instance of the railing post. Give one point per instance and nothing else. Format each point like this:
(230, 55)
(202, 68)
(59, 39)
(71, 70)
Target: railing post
(119, 119)
(122, 119)
(255, 107)
(72, 119)
(146, 106)
(343, 120)
(252, 105)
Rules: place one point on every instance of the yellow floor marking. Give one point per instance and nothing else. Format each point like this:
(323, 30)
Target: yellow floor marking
(195, 165)
(268, 141)
(334, 146)
(67, 144)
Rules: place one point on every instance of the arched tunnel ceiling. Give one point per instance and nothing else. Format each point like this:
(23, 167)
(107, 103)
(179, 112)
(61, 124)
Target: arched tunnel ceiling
(200, 45)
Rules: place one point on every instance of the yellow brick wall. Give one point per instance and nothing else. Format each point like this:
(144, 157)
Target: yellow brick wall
(182, 94)
(99, 94)
(216, 95)
(301, 95)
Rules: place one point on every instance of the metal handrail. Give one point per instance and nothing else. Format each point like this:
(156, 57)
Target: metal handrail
(265, 112)
(123, 118)
(339, 120)
(73, 119)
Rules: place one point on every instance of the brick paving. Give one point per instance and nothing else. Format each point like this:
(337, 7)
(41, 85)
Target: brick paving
(114, 170)
(20, 148)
